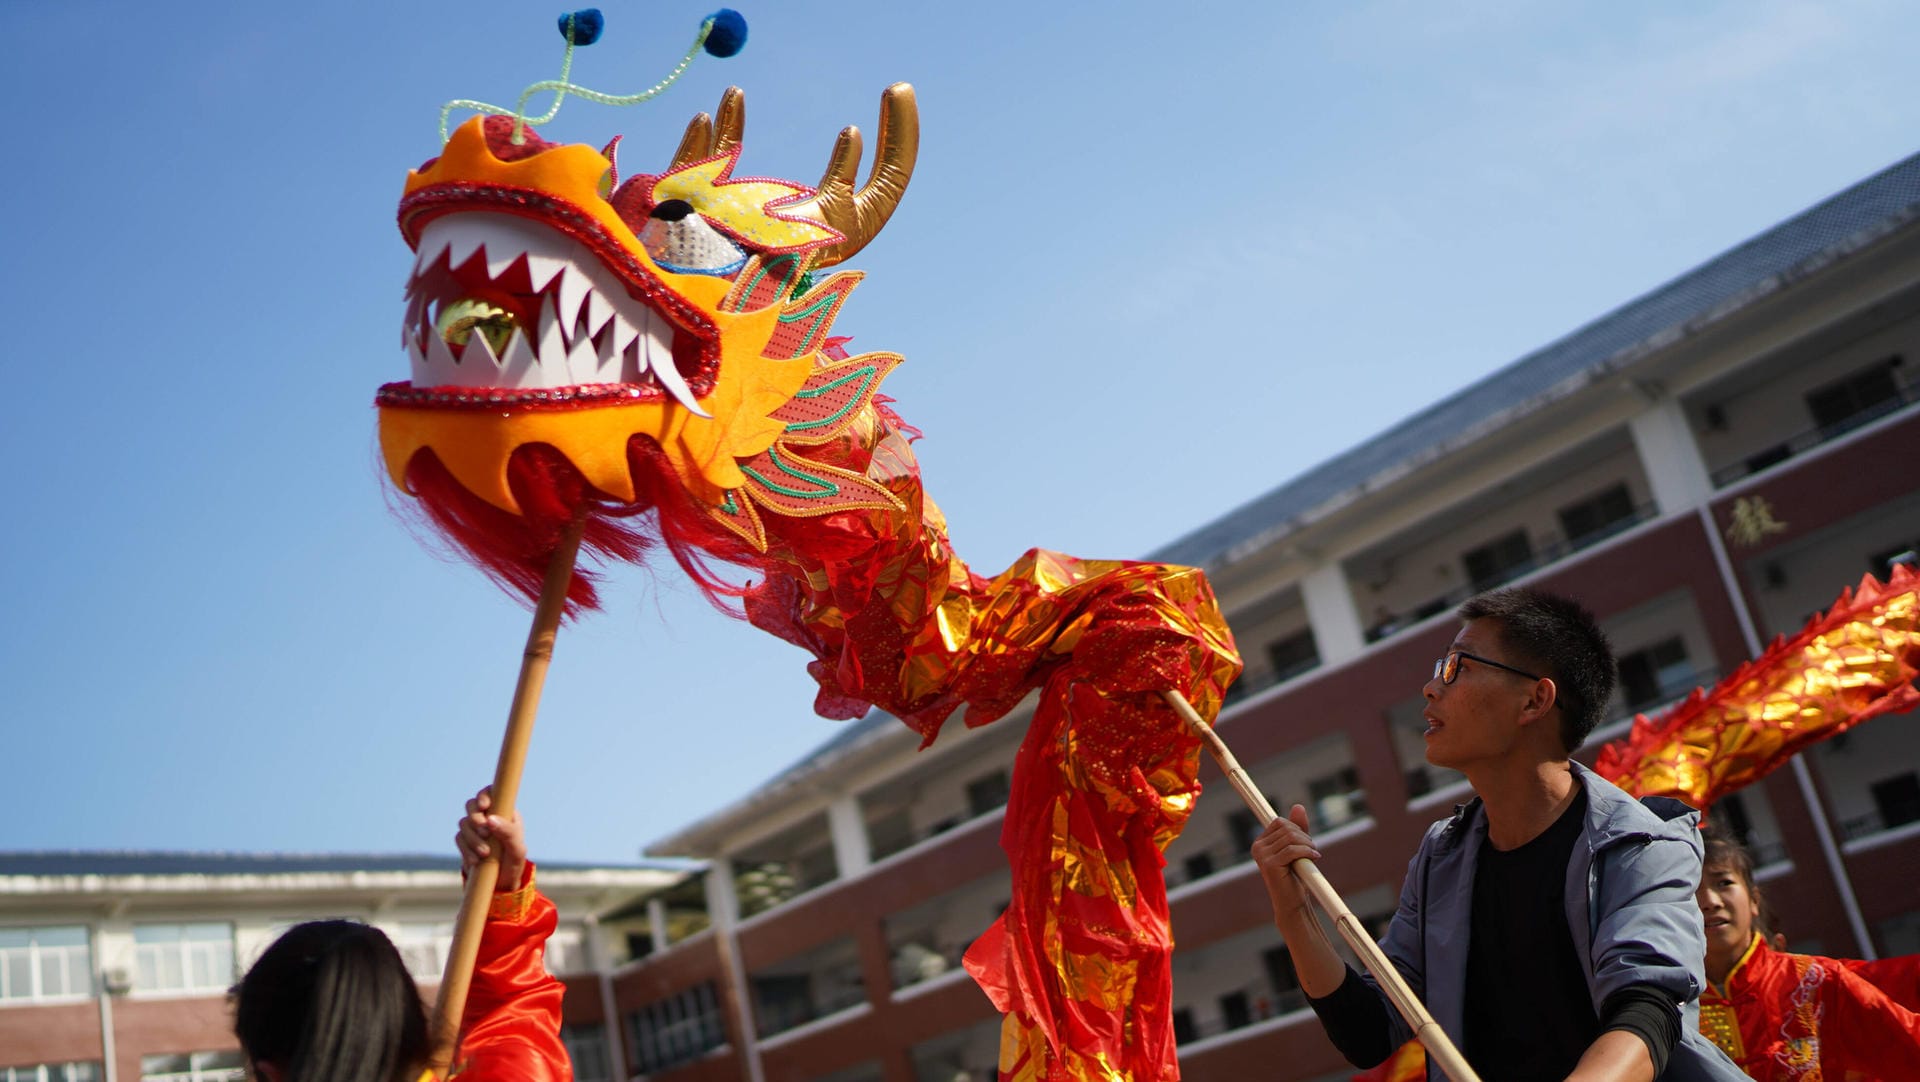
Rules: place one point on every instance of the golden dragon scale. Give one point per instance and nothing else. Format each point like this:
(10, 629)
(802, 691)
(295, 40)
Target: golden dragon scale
(1854, 662)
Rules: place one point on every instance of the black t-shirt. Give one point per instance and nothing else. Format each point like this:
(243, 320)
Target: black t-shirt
(1528, 1011)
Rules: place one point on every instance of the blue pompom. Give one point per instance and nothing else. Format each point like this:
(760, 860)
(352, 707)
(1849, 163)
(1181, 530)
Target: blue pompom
(587, 24)
(729, 33)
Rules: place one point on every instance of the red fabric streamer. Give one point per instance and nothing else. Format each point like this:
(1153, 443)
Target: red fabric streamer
(1854, 662)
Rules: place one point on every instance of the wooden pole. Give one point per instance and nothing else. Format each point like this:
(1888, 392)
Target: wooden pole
(1425, 1029)
(452, 1000)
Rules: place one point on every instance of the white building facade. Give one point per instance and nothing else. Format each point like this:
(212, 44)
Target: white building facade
(115, 967)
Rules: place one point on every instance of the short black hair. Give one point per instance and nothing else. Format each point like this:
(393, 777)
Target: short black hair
(1557, 637)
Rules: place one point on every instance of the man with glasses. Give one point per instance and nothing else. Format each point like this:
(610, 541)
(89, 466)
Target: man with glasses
(1549, 925)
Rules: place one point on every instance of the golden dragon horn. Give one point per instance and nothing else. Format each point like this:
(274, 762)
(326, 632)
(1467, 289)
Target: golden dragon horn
(858, 215)
(705, 137)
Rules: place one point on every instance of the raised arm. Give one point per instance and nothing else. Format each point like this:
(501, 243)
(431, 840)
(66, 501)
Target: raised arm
(511, 1026)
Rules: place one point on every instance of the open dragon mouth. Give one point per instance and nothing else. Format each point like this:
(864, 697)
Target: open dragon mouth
(501, 309)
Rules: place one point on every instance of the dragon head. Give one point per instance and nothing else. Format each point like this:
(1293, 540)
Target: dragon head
(553, 305)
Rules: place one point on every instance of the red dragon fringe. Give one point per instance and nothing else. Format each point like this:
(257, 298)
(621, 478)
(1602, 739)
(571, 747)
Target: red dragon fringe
(514, 550)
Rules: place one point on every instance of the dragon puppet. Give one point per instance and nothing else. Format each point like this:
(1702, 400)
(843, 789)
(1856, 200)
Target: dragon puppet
(649, 360)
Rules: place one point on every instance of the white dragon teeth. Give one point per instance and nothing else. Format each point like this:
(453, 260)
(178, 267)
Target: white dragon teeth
(478, 363)
(418, 362)
(433, 245)
(552, 342)
(520, 367)
(624, 330)
(659, 346)
(462, 244)
(441, 367)
(633, 361)
(598, 311)
(583, 362)
(589, 329)
(542, 268)
(606, 359)
(573, 290)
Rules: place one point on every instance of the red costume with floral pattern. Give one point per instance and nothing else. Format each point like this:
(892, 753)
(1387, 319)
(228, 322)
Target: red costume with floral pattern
(511, 1026)
(1802, 1018)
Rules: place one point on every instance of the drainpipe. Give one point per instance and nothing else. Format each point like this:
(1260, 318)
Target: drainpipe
(110, 984)
(1816, 808)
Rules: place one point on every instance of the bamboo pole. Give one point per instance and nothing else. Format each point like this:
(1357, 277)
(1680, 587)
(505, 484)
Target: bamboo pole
(1425, 1029)
(452, 1000)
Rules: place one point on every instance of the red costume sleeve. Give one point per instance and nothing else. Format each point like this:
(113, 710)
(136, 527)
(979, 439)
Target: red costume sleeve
(1864, 1031)
(1898, 977)
(511, 1027)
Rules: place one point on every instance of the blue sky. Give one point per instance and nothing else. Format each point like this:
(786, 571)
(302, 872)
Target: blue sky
(1155, 260)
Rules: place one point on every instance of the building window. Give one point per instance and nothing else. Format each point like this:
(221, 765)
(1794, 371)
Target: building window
(45, 963)
(676, 1030)
(783, 1001)
(1731, 810)
(586, 1044)
(986, 794)
(1596, 516)
(1498, 560)
(1242, 828)
(1235, 1011)
(1336, 798)
(194, 1067)
(52, 1072)
(1183, 1031)
(1287, 993)
(1857, 397)
(1293, 655)
(1897, 799)
(1655, 674)
(424, 946)
(183, 957)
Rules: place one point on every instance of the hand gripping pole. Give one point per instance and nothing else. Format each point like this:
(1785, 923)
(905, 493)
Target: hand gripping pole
(1425, 1029)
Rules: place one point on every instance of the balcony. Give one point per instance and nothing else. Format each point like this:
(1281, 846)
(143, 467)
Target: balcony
(676, 1030)
(966, 1055)
(1255, 1001)
(927, 940)
(1901, 396)
(809, 986)
(772, 872)
(1551, 551)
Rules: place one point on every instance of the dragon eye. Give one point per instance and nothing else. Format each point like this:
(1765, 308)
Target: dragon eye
(681, 241)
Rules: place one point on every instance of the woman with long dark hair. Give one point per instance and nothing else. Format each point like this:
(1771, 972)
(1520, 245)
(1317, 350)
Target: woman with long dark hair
(331, 1000)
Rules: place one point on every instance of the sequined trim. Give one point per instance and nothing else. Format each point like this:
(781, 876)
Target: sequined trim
(1722, 1026)
(512, 905)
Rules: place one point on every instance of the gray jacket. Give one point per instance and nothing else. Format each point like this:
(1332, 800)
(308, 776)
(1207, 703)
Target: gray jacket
(1630, 907)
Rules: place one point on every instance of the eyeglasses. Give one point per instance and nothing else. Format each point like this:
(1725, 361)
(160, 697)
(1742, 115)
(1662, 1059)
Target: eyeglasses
(1448, 668)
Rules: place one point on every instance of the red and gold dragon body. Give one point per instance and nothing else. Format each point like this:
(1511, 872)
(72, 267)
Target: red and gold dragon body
(654, 355)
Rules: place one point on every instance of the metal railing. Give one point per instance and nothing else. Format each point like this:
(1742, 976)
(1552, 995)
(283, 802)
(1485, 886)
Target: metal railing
(915, 961)
(1257, 1001)
(1553, 551)
(835, 988)
(1904, 395)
